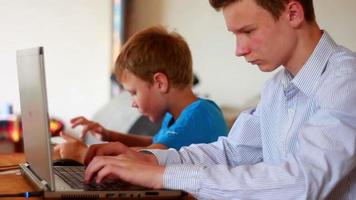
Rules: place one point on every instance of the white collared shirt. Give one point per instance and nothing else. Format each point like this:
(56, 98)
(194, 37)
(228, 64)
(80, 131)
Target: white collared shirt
(299, 143)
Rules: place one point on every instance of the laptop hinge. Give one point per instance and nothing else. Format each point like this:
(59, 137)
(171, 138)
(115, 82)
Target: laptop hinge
(38, 183)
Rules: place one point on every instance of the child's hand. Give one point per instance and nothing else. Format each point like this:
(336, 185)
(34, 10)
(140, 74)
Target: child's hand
(72, 148)
(89, 126)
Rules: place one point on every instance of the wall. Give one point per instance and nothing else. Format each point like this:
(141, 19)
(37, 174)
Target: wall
(338, 19)
(229, 80)
(76, 36)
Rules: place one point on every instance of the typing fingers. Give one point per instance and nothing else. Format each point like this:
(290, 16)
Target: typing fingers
(95, 167)
(92, 126)
(127, 169)
(78, 121)
(57, 150)
(91, 153)
(107, 171)
(103, 167)
(107, 149)
(67, 137)
(112, 148)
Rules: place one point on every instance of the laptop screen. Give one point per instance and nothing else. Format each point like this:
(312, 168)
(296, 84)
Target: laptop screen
(34, 112)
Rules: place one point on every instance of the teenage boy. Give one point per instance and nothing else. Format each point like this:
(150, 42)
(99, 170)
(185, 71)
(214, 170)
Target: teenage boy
(155, 67)
(298, 143)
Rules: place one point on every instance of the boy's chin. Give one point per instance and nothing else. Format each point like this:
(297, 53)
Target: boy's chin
(154, 119)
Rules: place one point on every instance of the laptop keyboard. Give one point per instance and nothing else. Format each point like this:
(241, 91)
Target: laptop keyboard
(74, 176)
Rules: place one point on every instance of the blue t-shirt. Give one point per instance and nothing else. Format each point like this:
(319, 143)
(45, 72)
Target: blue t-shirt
(200, 122)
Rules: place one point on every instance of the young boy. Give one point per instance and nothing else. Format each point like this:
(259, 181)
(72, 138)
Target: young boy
(155, 67)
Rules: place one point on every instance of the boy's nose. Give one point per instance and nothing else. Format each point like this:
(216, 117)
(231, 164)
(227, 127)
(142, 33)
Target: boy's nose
(241, 50)
(241, 45)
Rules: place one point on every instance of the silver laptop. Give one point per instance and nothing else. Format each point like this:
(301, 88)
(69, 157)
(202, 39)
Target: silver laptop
(38, 150)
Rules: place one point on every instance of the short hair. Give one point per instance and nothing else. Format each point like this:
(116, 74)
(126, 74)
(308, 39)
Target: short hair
(155, 50)
(275, 7)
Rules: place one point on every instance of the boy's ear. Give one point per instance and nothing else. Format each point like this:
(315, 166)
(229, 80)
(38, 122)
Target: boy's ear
(160, 80)
(295, 13)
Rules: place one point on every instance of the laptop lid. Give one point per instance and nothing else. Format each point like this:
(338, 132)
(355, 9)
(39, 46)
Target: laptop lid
(34, 113)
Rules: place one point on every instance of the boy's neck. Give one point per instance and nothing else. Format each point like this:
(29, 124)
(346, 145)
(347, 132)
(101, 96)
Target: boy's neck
(309, 37)
(179, 99)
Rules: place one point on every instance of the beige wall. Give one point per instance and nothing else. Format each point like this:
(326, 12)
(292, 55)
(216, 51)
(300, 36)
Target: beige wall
(339, 19)
(225, 78)
(76, 36)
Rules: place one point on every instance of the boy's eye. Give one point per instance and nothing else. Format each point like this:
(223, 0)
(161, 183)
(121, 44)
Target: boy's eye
(249, 31)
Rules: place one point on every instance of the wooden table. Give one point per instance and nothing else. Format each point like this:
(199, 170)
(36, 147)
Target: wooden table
(13, 182)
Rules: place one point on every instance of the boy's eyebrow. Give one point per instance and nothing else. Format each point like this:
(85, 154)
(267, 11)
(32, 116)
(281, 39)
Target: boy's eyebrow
(243, 28)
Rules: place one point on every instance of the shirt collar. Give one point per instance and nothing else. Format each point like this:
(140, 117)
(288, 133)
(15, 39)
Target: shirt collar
(307, 78)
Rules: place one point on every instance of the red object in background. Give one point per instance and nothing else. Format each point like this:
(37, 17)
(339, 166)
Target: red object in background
(11, 128)
(55, 126)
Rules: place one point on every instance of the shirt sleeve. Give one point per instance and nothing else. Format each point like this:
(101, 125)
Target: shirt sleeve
(310, 174)
(232, 168)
